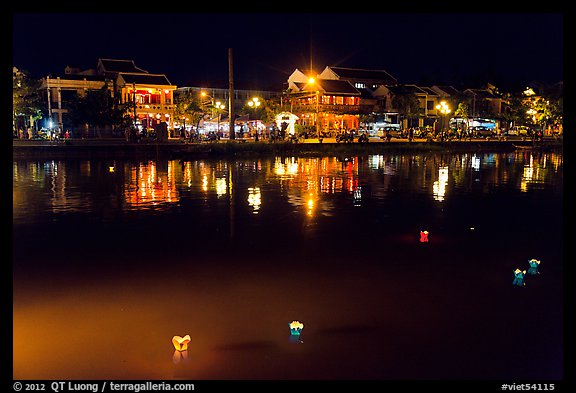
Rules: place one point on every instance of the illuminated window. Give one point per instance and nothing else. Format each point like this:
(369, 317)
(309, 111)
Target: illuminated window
(351, 100)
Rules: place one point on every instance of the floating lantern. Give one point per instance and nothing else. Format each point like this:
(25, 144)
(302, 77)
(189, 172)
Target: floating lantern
(296, 328)
(519, 277)
(534, 263)
(181, 343)
(423, 236)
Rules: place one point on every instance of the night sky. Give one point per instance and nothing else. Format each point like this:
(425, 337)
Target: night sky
(463, 49)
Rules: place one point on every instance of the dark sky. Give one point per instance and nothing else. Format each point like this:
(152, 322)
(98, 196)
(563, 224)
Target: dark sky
(192, 48)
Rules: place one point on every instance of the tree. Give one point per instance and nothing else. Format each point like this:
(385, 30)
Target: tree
(407, 104)
(188, 105)
(515, 112)
(266, 112)
(99, 109)
(26, 100)
(463, 111)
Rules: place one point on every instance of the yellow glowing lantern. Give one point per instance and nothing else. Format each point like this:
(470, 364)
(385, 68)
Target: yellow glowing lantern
(423, 236)
(111, 169)
(181, 343)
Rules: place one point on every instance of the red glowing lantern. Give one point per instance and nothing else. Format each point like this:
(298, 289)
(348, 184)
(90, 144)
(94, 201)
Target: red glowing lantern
(423, 236)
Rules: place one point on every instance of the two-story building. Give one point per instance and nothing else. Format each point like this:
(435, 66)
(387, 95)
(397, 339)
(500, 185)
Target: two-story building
(328, 105)
(151, 95)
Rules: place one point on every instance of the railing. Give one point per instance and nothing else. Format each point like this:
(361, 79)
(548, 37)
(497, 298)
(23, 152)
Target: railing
(322, 108)
(157, 107)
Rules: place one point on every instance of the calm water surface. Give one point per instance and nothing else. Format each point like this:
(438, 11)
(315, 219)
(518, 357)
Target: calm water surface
(113, 258)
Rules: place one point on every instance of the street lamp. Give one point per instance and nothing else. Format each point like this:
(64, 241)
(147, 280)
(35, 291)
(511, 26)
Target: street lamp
(255, 103)
(219, 107)
(312, 81)
(444, 109)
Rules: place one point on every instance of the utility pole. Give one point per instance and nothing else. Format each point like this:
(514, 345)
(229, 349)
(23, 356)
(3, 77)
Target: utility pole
(134, 99)
(231, 96)
(49, 103)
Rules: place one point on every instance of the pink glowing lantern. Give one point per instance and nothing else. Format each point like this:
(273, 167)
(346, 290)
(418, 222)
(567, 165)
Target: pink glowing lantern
(181, 343)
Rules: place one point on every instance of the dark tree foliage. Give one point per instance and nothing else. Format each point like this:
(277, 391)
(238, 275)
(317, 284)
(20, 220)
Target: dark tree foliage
(99, 109)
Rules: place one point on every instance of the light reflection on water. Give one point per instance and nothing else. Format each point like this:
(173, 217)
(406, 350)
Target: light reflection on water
(306, 183)
(230, 251)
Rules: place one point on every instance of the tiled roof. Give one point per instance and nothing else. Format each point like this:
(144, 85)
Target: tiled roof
(429, 91)
(450, 90)
(365, 93)
(111, 65)
(481, 93)
(79, 77)
(380, 76)
(406, 89)
(331, 86)
(145, 79)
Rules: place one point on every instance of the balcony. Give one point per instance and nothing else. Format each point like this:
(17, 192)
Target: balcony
(323, 108)
(154, 107)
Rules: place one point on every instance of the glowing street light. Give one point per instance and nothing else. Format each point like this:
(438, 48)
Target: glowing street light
(254, 104)
(444, 109)
(312, 82)
(219, 107)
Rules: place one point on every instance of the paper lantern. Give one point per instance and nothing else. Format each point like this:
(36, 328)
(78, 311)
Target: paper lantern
(423, 236)
(519, 277)
(296, 328)
(181, 343)
(534, 263)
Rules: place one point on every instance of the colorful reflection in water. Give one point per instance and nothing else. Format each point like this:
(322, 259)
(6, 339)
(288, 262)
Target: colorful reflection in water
(230, 251)
(305, 183)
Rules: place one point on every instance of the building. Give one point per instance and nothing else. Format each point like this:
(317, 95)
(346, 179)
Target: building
(325, 106)
(217, 92)
(151, 95)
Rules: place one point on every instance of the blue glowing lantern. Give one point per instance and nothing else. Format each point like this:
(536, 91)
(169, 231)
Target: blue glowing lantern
(296, 328)
(519, 277)
(534, 263)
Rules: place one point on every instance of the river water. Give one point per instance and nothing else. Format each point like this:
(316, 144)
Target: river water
(112, 258)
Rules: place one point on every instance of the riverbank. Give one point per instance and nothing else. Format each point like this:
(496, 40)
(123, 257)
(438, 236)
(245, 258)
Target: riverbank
(114, 148)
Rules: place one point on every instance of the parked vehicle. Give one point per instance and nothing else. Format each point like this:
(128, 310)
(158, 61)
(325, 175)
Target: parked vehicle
(392, 131)
(519, 131)
(483, 132)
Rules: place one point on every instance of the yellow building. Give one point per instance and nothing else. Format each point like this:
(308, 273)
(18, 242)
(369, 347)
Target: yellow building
(328, 105)
(151, 94)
